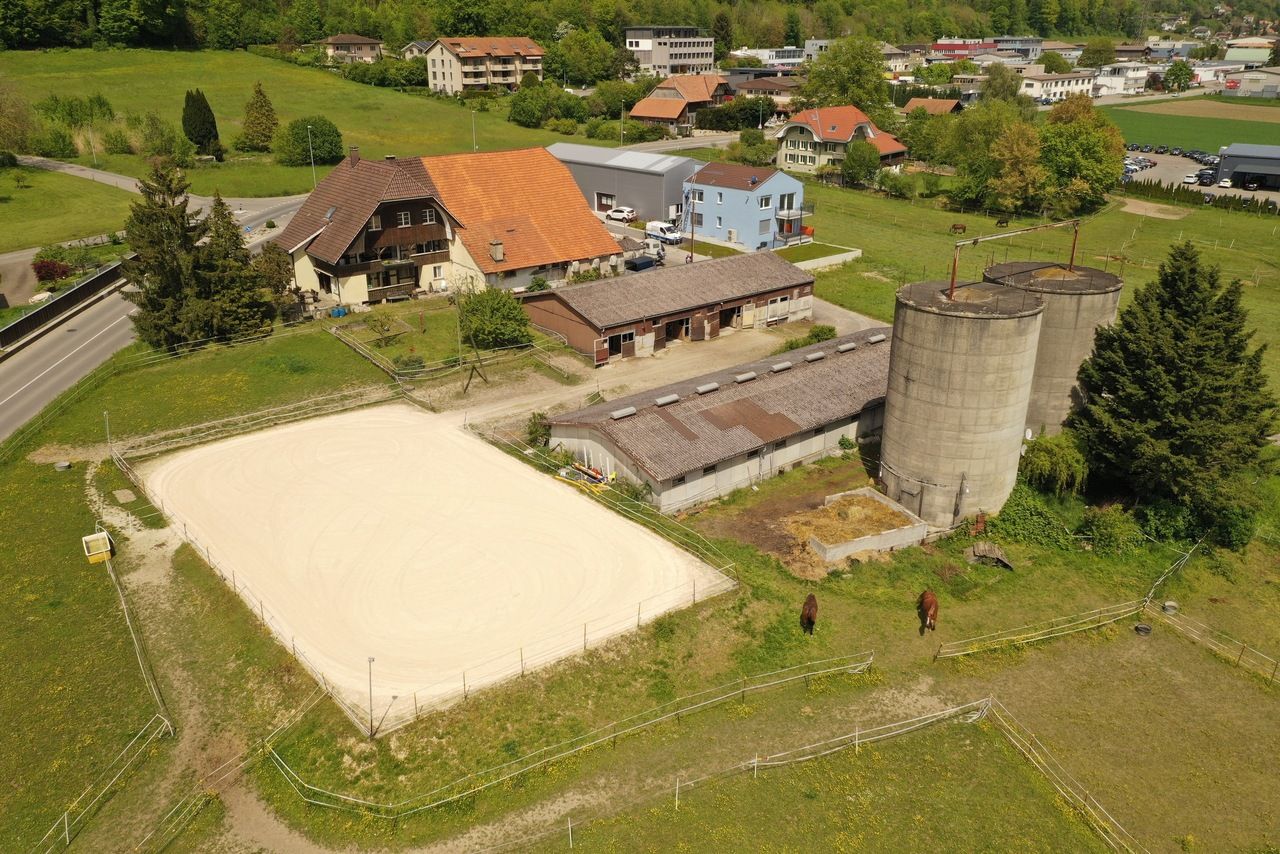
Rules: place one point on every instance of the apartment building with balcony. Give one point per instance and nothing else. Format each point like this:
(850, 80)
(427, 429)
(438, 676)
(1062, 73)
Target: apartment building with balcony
(345, 47)
(664, 51)
(754, 207)
(481, 62)
(821, 137)
(1058, 86)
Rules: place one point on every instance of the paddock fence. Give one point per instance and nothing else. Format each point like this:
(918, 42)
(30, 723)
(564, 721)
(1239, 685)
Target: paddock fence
(989, 709)
(1235, 651)
(475, 783)
(1035, 632)
(1071, 789)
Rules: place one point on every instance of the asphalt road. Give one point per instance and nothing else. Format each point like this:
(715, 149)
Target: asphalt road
(32, 377)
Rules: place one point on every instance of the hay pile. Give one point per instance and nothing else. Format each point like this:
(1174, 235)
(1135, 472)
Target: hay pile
(847, 519)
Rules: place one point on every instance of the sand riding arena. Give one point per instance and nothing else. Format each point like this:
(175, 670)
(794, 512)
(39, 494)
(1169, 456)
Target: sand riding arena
(389, 545)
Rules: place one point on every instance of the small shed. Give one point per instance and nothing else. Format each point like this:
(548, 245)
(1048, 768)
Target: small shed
(985, 551)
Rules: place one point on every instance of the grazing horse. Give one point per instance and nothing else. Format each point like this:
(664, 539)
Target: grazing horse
(809, 614)
(927, 607)
(1002, 223)
(958, 228)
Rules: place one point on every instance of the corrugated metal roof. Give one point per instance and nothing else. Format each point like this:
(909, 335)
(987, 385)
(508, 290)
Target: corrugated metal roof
(636, 161)
(732, 419)
(1249, 149)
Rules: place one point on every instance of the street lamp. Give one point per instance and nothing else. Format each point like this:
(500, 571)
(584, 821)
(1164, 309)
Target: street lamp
(311, 151)
(371, 696)
(760, 126)
(474, 145)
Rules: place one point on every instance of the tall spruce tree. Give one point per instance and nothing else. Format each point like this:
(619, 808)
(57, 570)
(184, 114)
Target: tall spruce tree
(1175, 404)
(260, 122)
(163, 233)
(227, 300)
(199, 125)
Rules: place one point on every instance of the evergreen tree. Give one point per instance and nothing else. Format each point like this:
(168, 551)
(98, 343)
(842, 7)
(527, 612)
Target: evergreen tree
(227, 300)
(722, 32)
(118, 22)
(792, 35)
(1175, 403)
(163, 233)
(260, 122)
(199, 125)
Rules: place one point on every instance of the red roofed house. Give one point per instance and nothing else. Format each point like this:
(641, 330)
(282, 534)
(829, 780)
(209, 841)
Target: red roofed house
(815, 138)
(675, 101)
(345, 47)
(932, 106)
(481, 62)
(376, 230)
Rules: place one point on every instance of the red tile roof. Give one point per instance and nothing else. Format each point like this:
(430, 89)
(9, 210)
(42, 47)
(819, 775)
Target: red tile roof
(348, 38)
(697, 88)
(666, 109)
(336, 212)
(475, 46)
(732, 175)
(525, 198)
(838, 124)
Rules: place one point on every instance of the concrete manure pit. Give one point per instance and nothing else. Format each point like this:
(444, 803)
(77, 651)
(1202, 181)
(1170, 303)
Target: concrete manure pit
(856, 522)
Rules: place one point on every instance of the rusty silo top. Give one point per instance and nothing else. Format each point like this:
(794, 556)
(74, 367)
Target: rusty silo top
(1052, 277)
(972, 299)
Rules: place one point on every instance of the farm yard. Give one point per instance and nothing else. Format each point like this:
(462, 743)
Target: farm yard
(1160, 729)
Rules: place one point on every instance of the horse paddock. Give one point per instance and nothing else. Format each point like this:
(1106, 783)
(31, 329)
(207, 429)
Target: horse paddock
(407, 562)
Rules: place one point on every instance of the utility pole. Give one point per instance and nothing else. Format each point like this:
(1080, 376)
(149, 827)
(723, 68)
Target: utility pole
(312, 152)
(371, 696)
(622, 124)
(474, 145)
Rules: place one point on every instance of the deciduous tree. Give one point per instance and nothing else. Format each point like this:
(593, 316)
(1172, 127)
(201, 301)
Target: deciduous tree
(1176, 405)
(1054, 62)
(850, 71)
(291, 142)
(1178, 77)
(491, 317)
(1097, 53)
(861, 163)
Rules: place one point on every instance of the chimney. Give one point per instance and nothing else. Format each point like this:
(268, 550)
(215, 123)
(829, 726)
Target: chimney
(354, 157)
(495, 250)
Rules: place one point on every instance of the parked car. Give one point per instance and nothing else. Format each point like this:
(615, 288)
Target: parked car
(1225, 183)
(1251, 185)
(1133, 146)
(1162, 149)
(639, 263)
(664, 231)
(653, 248)
(1191, 179)
(1145, 149)
(1175, 151)
(1206, 181)
(621, 215)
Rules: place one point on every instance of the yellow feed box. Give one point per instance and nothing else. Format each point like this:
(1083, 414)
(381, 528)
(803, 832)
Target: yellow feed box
(97, 547)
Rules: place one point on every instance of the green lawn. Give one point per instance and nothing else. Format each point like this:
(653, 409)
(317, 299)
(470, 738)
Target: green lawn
(379, 121)
(907, 242)
(70, 687)
(808, 251)
(54, 208)
(1199, 132)
(702, 247)
(929, 790)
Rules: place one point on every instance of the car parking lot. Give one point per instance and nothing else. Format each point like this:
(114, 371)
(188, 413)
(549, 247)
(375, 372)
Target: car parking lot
(1170, 169)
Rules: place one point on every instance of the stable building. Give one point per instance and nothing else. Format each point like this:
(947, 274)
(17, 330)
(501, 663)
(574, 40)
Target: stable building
(704, 437)
(650, 183)
(646, 312)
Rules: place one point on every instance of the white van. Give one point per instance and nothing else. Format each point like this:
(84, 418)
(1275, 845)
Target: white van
(664, 231)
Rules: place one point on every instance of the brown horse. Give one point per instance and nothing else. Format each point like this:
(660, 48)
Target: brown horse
(809, 614)
(927, 608)
(1002, 223)
(958, 228)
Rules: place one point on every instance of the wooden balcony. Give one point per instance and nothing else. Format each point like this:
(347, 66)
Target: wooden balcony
(403, 290)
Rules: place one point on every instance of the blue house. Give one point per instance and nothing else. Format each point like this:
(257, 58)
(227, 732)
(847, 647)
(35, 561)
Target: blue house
(756, 207)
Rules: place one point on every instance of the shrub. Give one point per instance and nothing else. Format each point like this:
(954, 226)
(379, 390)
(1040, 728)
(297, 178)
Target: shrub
(409, 362)
(1111, 530)
(271, 223)
(896, 184)
(493, 318)
(47, 270)
(932, 184)
(8, 160)
(54, 141)
(567, 127)
(537, 283)
(819, 333)
(1165, 520)
(1054, 464)
(117, 141)
(537, 431)
(1025, 519)
(292, 148)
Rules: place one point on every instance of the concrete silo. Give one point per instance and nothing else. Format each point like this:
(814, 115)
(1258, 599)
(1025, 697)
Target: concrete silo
(1076, 302)
(960, 373)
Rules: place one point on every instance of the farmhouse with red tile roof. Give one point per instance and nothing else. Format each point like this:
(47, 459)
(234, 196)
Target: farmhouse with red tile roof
(820, 137)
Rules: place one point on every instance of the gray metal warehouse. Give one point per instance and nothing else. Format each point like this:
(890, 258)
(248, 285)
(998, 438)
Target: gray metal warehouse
(704, 437)
(651, 183)
(1242, 162)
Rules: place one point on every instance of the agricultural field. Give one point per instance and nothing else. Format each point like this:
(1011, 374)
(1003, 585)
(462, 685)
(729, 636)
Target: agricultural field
(1207, 124)
(380, 121)
(39, 207)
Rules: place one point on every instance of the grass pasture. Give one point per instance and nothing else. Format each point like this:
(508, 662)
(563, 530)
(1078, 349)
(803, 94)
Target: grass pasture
(52, 207)
(380, 121)
(929, 790)
(1194, 123)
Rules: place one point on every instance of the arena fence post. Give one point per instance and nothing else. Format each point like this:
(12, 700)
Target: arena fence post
(638, 604)
(584, 637)
(521, 661)
(66, 823)
(570, 832)
(415, 705)
(677, 793)
(464, 684)
(1241, 655)
(755, 767)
